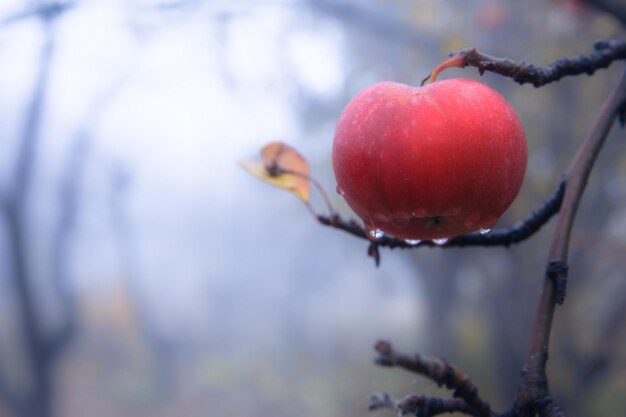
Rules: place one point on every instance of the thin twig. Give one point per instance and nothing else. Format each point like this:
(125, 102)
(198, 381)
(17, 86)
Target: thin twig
(380, 401)
(276, 170)
(605, 52)
(498, 237)
(436, 369)
(421, 405)
(534, 390)
(46, 11)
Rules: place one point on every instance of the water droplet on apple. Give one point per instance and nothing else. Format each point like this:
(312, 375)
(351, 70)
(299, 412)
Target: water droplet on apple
(484, 231)
(341, 191)
(419, 213)
(441, 241)
(400, 221)
(375, 234)
(412, 242)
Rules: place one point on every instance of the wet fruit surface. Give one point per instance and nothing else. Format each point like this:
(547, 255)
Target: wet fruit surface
(429, 162)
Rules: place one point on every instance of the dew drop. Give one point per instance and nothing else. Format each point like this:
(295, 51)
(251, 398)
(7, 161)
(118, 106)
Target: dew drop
(341, 191)
(440, 242)
(484, 231)
(419, 213)
(400, 222)
(375, 234)
(412, 242)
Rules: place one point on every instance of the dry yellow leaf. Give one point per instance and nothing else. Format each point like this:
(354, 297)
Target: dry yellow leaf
(283, 167)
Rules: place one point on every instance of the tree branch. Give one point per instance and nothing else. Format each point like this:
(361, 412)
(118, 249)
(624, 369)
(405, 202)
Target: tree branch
(69, 202)
(437, 370)
(534, 389)
(421, 405)
(46, 11)
(69, 205)
(428, 406)
(605, 52)
(17, 196)
(499, 237)
(38, 396)
(381, 401)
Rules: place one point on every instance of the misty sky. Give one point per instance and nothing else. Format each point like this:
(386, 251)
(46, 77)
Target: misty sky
(171, 101)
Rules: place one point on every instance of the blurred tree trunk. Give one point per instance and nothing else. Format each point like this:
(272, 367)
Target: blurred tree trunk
(41, 346)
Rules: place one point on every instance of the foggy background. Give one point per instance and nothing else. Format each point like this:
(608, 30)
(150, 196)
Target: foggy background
(144, 273)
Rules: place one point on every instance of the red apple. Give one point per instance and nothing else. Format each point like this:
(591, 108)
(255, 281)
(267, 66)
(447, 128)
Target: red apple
(429, 162)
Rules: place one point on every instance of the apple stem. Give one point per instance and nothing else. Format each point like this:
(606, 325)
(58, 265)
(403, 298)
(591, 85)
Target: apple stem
(457, 61)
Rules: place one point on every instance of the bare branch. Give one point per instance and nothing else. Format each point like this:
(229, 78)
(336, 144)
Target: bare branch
(580, 169)
(534, 388)
(30, 136)
(437, 370)
(605, 52)
(429, 406)
(47, 11)
(499, 237)
(68, 211)
(381, 401)
(546, 407)
(421, 405)
(29, 314)
(37, 346)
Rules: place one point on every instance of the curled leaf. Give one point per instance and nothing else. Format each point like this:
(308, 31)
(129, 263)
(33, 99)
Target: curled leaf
(283, 167)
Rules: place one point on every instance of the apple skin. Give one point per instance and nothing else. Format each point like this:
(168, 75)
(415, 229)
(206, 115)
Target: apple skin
(429, 162)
